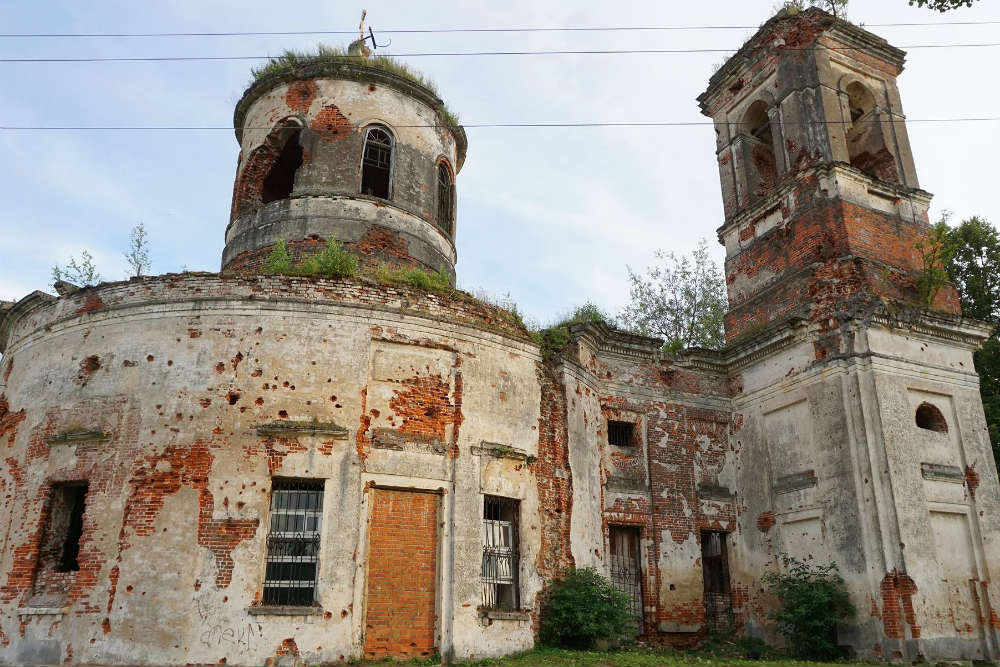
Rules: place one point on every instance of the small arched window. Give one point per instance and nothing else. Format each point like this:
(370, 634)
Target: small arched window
(930, 418)
(280, 179)
(376, 163)
(762, 165)
(445, 198)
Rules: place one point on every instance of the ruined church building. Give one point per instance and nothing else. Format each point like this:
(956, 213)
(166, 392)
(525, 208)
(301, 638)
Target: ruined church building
(245, 468)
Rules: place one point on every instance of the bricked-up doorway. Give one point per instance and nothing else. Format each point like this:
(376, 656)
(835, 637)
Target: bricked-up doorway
(715, 568)
(402, 575)
(626, 568)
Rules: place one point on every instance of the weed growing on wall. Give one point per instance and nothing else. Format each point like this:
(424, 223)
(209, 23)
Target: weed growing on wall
(813, 599)
(437, 281)
(582, 608)
(334, 261)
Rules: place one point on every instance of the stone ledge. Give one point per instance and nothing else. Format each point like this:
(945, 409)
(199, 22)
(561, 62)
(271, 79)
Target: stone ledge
(76, 436)
(501, 451)
(795, 482)
(714, 492)
(42, 611)
(284, 610)
(942, 473)
(294, 428)
(626, 484)
(505, 614)
(670, 626)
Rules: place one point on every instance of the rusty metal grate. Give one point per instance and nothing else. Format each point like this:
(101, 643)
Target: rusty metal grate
(445, 189)
(500, 553)
(620, 433)
(293, 543)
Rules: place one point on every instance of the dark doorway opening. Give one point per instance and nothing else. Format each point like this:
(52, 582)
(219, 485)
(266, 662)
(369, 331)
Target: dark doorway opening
(280, 180)
(715, 568)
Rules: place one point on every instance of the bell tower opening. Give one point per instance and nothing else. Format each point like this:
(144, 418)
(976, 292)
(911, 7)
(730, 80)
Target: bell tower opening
(762, 164)
(280, 180)
(376, 164)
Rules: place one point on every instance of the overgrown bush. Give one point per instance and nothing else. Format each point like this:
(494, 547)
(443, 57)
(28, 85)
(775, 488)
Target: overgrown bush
(813, 599)
(407, 275)
(556, 337)
(334, 261)
(582, 608)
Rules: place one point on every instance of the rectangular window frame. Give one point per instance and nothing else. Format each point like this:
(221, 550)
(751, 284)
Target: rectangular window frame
(292, 544)
(500, 571)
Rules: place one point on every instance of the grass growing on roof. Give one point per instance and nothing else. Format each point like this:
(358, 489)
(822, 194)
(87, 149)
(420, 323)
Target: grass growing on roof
(290, 60)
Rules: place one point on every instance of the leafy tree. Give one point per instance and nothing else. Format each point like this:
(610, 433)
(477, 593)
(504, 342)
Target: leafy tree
(583, 607)
(82, 272)
(682, 300)
(936, 252)
(138, 253)
(942, 5)
(813, 599)
(974, 267)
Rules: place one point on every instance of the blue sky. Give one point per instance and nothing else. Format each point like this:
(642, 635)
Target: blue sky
(549, 216)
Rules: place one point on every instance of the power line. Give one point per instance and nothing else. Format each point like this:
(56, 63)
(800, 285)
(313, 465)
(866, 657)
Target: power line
(417, 31)
(467, 53)
(82, 128)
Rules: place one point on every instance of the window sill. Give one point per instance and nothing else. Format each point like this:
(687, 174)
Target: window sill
(42, 611)
(284, 610)
(505, 614)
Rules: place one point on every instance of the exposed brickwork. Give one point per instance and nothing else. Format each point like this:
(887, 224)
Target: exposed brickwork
(554, 480)
(250, 180)
(400, 620)
(331, 125)
(898, 590)
(765, 522)
(9, 420)
(300, 95)
(424, 406)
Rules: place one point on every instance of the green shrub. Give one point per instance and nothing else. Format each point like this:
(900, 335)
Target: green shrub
(813, 599)
(332, 262)
(554, 338)
(278, 260)
(584, 607)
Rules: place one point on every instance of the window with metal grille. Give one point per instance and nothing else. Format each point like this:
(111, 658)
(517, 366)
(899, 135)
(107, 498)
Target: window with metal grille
(446, 188)
(620, 433)
(293, 542)
(376, 163)
(500, 553)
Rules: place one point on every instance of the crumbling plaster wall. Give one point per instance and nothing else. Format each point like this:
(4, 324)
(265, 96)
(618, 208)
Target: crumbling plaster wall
(179, 372)
(326, 199)
(832, 467)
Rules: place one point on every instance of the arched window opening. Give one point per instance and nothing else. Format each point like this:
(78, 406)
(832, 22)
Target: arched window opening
(866, 145)
(280, 179)
(445, 197)
(860, 100)
(930, 418)
(376, 163)
(761, 166)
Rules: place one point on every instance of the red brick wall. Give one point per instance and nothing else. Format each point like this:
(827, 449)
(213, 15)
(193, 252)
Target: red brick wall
(400, 616)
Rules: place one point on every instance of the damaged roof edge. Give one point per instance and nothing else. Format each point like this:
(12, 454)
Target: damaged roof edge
(851, 35)
(11, 310)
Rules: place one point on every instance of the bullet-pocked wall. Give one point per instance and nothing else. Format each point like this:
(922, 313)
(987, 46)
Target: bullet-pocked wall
(350, 152)
(180, 416)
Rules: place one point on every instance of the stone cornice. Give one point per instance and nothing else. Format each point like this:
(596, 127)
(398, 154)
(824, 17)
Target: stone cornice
(608, 340)
(12, 313)
(934, 325)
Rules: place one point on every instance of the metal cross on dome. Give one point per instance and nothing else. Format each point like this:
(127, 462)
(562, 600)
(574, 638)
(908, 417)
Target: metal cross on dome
(371, 35)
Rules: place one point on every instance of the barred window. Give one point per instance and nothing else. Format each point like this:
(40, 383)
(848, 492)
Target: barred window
(445, 197)
(293, 542)
(620, 434)
(376, 163)
(500, 553)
